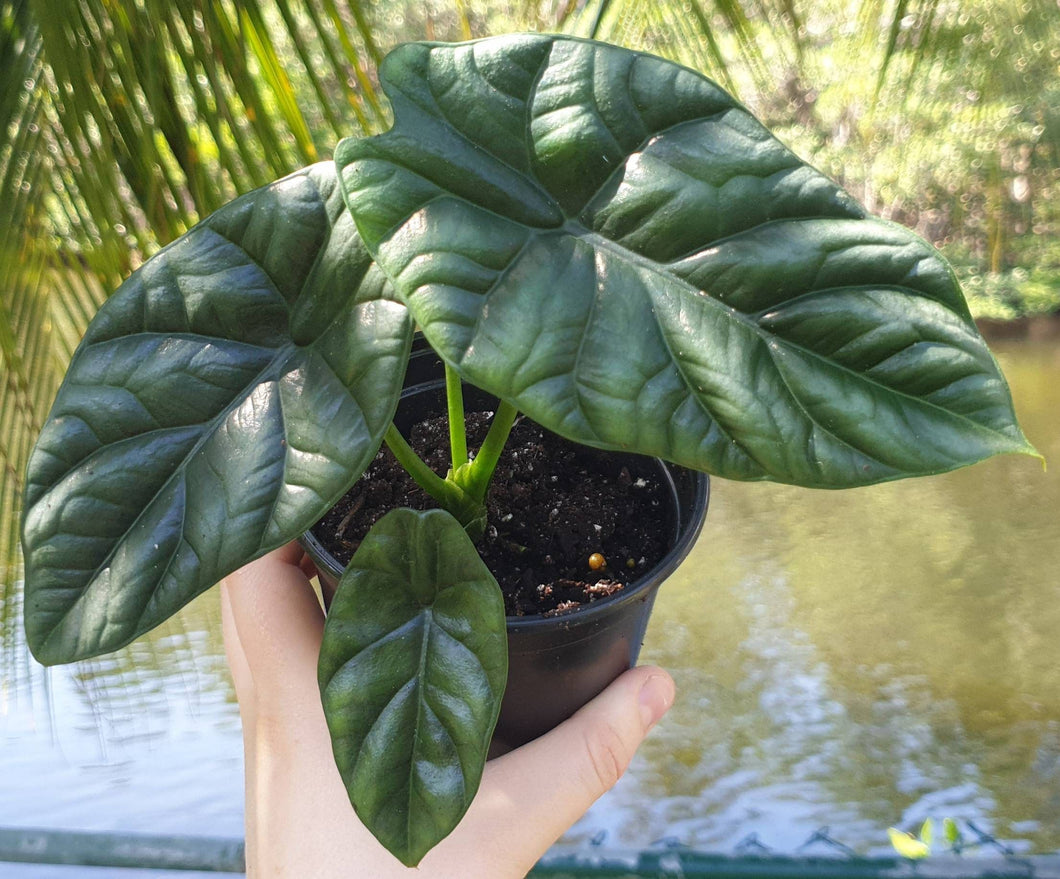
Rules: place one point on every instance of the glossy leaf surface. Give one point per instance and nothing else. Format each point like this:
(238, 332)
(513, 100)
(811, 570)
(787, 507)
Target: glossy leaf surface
(611, 243)
(220, 401)
(412, 670)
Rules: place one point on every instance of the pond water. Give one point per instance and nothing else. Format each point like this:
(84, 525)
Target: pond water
(851, 660)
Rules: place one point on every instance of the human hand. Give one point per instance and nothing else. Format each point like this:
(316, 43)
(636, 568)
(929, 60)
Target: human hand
(299, 821)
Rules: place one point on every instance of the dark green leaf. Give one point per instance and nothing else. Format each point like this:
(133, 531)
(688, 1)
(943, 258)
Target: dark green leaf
(614, 245)
(412, 670)
(220, 401)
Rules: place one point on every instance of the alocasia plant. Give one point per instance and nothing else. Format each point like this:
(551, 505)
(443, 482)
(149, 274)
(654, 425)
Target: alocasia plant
(602, 239)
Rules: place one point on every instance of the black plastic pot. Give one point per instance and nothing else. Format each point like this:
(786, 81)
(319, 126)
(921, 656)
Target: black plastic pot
(557, 663)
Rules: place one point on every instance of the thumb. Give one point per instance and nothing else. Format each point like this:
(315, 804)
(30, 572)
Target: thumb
(599, 741)
(545, 786)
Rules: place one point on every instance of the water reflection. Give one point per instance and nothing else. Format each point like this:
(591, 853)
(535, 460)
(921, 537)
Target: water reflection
(146, 739)
(865, 658)
(854, 659)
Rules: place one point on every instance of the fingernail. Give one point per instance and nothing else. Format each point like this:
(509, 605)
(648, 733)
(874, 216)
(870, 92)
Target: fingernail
(656, 697)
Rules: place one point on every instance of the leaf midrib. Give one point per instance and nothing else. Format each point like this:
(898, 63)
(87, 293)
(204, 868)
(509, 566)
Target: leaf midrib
(184, 335)
(421, 701)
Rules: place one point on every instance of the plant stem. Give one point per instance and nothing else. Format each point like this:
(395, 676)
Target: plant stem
(450, 495)
(463, 491)
(454, 398)
(480, 471)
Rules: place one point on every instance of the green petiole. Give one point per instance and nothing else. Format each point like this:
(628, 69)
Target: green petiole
(479, 472)
(454, 398)
(445, 491)
(463, 491)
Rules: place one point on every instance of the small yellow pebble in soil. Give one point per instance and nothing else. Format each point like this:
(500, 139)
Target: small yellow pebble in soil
(597, 561)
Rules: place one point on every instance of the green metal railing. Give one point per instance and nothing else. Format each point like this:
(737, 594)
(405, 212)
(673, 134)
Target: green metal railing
(213, 855)
(200, 853)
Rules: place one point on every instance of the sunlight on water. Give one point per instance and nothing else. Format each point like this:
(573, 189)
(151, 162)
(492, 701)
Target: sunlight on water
(864, 659)
(852, 660)
(147, 739)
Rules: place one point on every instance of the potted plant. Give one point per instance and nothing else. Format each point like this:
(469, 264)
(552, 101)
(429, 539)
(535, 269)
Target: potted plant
(601, 239)
(557, 512)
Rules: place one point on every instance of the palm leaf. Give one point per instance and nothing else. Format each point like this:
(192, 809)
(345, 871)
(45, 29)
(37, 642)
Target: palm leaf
(723, 38)
(20, 319)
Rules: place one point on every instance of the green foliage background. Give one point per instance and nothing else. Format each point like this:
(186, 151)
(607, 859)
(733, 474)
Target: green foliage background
(122, 122)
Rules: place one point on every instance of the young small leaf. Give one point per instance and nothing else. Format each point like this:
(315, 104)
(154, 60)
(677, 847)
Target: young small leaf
(412, 670)
(907, 845)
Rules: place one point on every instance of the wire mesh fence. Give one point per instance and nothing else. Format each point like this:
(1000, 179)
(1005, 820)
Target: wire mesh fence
(821, 856)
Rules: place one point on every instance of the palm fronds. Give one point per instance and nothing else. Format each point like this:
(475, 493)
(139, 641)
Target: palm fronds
(24, 392)
(124, 123)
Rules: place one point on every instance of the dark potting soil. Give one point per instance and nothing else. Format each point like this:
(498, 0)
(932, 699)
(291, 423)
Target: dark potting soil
(551, 506)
